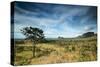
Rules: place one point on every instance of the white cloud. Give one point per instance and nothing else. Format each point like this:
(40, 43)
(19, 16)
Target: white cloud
(88, 28)
(49, 24)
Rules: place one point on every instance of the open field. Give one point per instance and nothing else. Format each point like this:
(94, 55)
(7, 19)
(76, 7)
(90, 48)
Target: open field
(57, 51)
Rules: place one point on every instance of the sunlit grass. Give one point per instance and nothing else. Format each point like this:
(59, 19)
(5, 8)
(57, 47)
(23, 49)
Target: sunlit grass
(58, 52)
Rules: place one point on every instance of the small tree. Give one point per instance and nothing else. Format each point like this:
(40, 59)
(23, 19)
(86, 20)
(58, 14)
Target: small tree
(34, 34)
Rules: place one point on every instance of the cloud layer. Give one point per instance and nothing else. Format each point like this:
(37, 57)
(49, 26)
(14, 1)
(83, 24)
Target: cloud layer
(55, 20)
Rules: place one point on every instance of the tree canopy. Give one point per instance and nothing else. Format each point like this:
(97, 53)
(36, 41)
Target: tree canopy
(35, 34)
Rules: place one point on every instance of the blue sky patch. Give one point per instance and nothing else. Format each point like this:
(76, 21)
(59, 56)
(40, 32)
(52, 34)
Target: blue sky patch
(55, 19)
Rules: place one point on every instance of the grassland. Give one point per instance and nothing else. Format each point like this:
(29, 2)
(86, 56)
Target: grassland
(57, 51)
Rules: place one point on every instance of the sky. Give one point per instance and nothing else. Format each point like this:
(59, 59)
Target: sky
(55, 20)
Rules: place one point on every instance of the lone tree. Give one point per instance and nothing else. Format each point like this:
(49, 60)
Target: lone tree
(34, 34)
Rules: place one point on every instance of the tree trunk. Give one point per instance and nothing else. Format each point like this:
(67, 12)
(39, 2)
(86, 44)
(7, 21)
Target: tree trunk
(33, 50)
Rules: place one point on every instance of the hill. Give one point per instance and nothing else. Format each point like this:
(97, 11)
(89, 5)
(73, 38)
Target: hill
(87, 34)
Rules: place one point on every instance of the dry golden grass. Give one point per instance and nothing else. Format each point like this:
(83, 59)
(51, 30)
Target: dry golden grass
(48, 53)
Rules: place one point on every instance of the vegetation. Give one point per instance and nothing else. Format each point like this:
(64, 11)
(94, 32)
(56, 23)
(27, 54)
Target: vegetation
(33, 34)
(57, 51)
